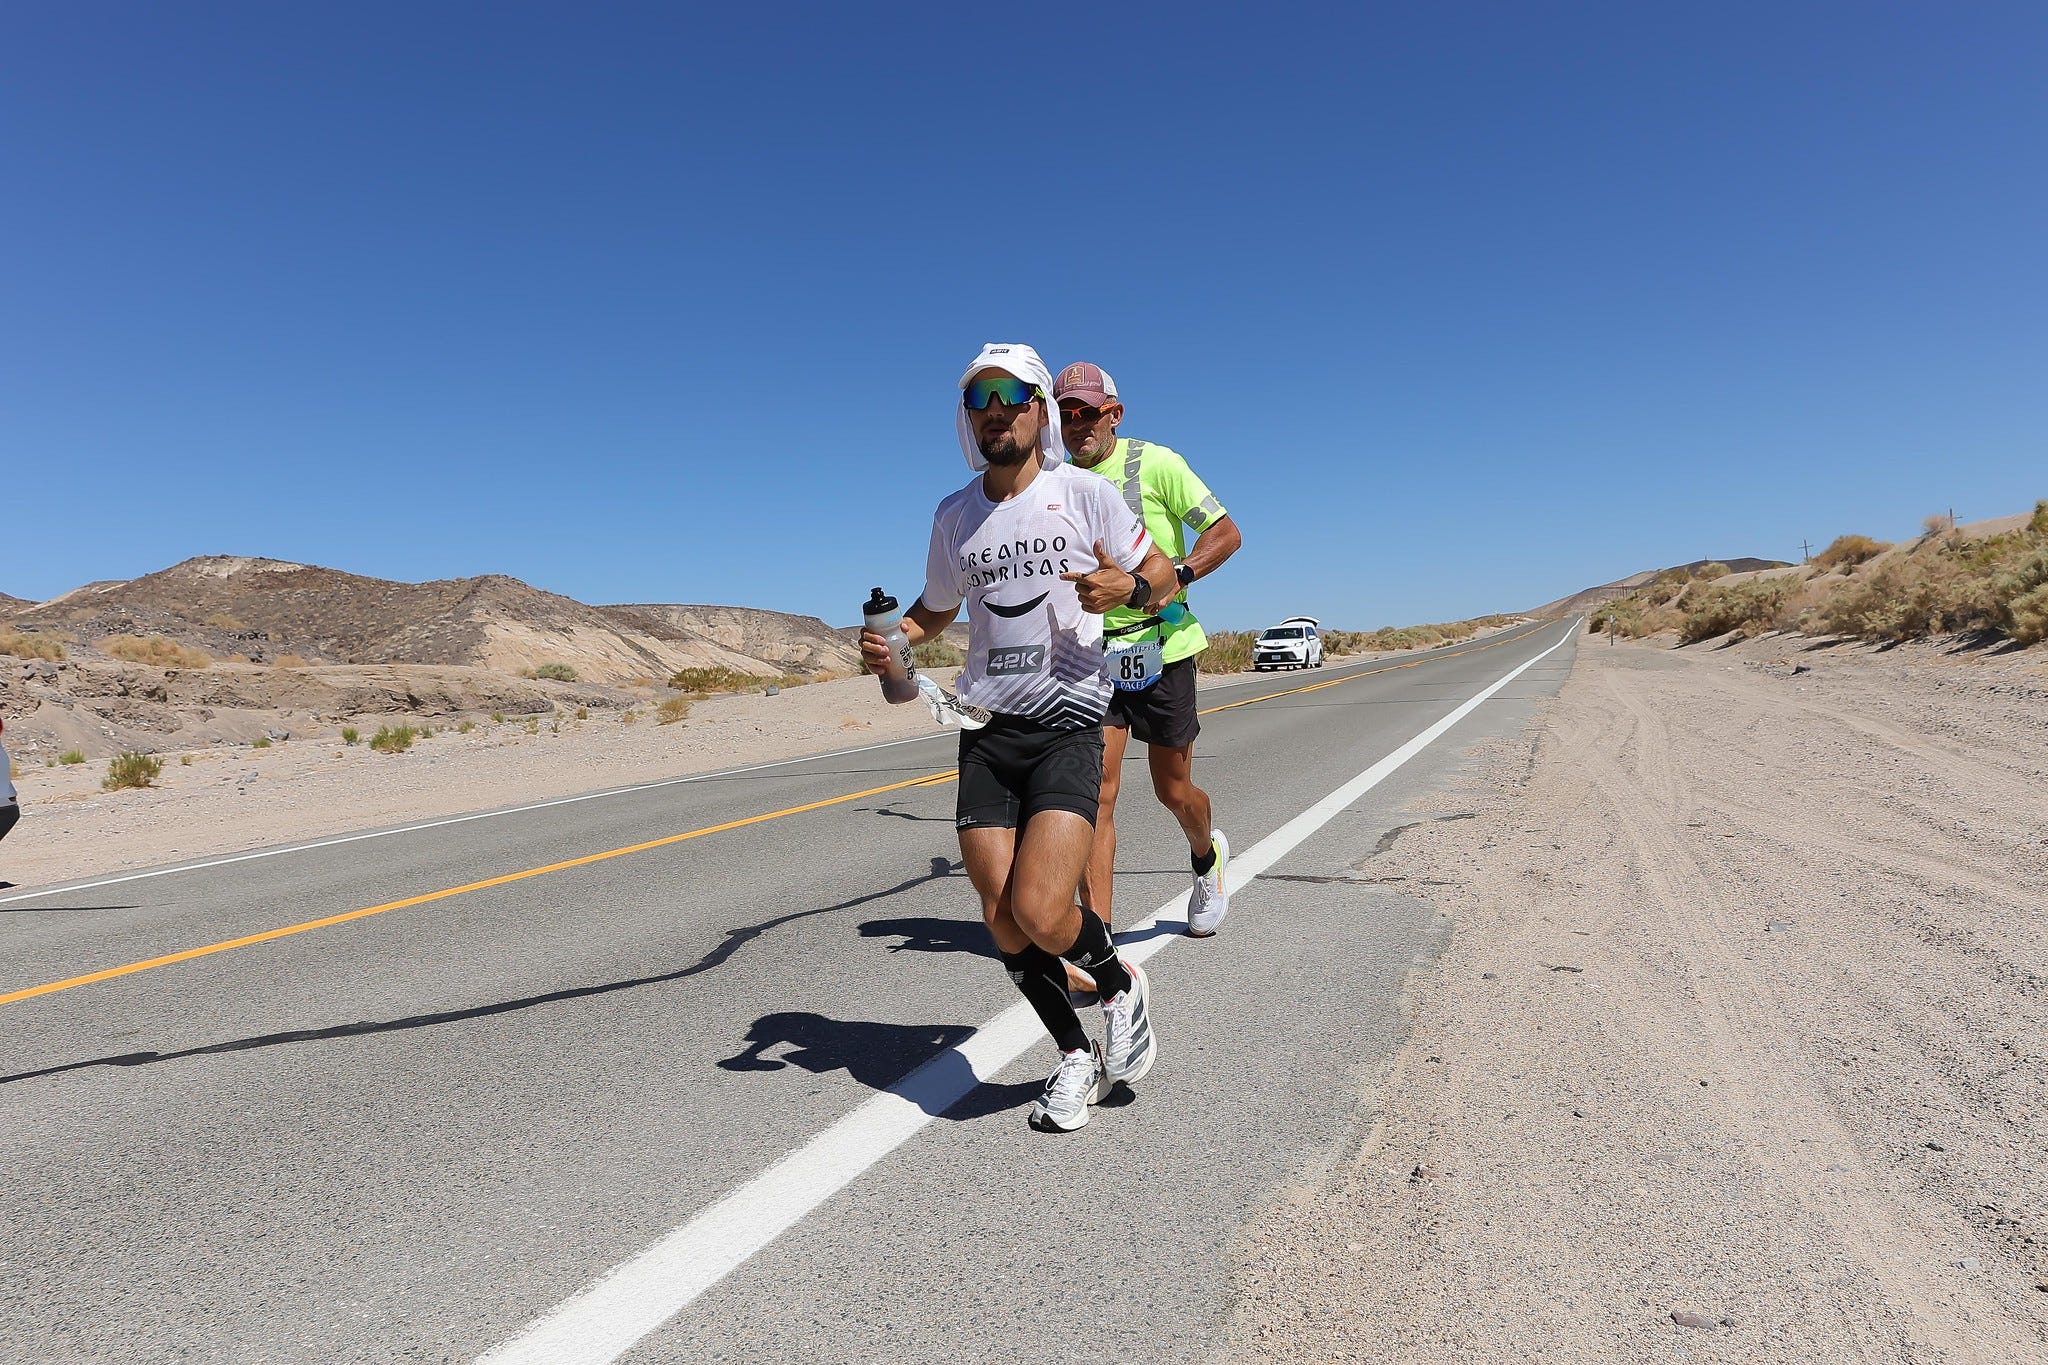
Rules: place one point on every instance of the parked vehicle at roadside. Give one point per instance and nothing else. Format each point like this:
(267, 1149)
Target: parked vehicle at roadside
(10, 803)
(1294, 643)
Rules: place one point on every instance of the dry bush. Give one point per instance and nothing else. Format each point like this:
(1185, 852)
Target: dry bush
(222, 621)
(1229, 651)
(672, 710)
(1935, 524)
(155, 651)
(23, 646)
(349, 734)
(937, 652)
(556, 673)
(705, 681)
(2038, 523)
(291, 661)
(131, 769)
(1845, 552)
(1740, 607)
(393, 739)
(1711, 571)
(71, 758)
(2029, 614)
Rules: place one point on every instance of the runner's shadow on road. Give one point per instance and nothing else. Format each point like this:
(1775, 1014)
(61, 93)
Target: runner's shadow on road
(880, 1057)
(930, 934)
(735, 939)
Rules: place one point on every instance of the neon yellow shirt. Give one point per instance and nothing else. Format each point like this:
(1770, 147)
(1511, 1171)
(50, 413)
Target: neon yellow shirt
(1175, 505)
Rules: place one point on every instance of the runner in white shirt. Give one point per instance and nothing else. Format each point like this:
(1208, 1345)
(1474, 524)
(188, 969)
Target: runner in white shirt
(1036, 552)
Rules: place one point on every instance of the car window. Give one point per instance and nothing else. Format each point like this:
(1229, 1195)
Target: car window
(1284, 633)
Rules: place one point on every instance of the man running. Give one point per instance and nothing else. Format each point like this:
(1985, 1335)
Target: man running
(1037, 551)
(1152, 659)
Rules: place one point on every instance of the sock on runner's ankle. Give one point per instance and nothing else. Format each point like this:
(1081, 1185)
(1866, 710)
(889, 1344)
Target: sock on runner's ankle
(1094, 953)
(1204, 862)
(1038, 975)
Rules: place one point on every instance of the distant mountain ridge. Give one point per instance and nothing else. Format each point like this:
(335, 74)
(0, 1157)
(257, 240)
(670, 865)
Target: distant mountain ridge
(1586, 599)
(265, 609)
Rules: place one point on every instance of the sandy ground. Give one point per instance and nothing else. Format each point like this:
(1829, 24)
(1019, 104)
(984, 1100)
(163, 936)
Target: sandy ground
(229, 798)
(1744, 1017)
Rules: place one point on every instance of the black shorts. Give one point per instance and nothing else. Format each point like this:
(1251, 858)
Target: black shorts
(1011, 769)
(9, 813)
(1162, 714)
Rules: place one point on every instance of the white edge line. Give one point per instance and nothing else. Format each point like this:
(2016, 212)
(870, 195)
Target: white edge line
(603, 1320)
(69, 887)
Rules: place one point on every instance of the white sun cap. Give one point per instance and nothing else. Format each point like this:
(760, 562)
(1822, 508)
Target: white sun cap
(1023, 363)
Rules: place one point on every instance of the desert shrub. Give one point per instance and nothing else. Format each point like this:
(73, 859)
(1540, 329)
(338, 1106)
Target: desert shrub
(391, 739)
(2029, 615)
(1935, 524)
(533, 725)
(71, 758)
(1743, 607)
(937, 652)
(556, 672)
(262, 742)
(705, 681)
(583, 713)
(23, 646)
(465, 727)
(1845, 552)
(349, 734)
(290, 661)
(222, 621)
(672, 710)
(1710, 571)
(132, 769)
(628, 717)
(1910, 599)
(155, 651)
(2038, 523)
(1229, 651)
(184, 760)
(497, 717)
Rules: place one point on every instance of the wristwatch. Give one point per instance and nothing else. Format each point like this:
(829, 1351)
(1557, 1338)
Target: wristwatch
(1141, 591)
(1182, 574)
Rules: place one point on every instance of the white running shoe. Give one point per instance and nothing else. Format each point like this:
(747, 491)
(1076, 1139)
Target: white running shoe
(1074, 1084)
(948, 709)
(1127, 1019)
(1209, 902)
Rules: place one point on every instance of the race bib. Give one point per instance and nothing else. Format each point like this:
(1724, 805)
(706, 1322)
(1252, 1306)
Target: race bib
(1134, 665)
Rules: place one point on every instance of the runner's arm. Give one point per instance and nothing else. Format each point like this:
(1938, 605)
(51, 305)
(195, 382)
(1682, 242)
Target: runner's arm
(1217, 542)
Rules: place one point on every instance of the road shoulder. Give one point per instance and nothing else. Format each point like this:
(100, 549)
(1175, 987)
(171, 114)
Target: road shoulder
(1735, 1047)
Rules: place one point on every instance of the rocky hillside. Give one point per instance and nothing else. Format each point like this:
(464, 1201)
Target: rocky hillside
(263, 610)
(1589, 598)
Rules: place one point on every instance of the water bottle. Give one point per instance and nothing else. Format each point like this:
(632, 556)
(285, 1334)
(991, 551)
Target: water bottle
(884, 617)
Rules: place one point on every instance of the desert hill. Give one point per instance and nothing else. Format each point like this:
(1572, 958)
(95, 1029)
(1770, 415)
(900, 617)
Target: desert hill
(10, 605)
(261, 610)
(1588, 598)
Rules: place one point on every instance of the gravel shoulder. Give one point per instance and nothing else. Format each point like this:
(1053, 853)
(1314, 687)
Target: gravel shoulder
(1739, 1048)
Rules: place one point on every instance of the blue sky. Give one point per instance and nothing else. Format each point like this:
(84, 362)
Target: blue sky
(1458, 307)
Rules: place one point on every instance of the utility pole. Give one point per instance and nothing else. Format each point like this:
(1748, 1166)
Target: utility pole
(1806, 551)
(1951, 518)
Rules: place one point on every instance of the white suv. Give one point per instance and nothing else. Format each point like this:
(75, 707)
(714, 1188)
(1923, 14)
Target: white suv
(10, 805)
(1294, 643)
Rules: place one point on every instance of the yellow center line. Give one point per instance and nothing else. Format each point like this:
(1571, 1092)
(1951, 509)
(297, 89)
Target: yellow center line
(29, 993)
(928, 780)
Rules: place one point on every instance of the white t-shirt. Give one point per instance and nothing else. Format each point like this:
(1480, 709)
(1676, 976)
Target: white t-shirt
(1031, 650)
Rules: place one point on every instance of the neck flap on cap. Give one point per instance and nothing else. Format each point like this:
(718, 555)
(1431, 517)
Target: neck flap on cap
(1023, 362)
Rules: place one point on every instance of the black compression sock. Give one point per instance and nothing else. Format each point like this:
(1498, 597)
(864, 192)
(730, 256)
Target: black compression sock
(1095, 954)
(1043, 981)
(1205, 862)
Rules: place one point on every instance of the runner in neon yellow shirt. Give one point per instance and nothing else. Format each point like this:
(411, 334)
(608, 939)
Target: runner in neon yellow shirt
(1152, 660)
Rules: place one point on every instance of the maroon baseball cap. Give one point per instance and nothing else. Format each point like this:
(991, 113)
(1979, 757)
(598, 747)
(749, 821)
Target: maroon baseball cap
(1089, 383)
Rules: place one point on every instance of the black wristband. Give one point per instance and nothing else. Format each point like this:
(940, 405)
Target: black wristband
(1182, 574)
(1141, 591)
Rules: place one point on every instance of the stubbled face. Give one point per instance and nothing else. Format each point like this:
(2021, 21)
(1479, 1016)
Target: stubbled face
(1006, 436)
(1089, 433)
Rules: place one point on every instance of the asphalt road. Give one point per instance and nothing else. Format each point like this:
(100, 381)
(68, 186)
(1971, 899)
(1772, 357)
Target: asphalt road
(414, 1134)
